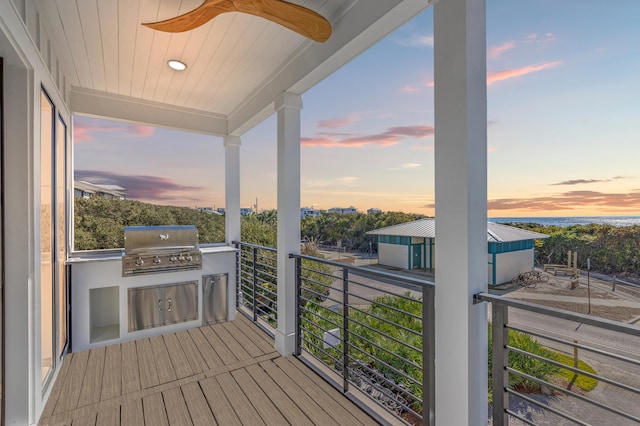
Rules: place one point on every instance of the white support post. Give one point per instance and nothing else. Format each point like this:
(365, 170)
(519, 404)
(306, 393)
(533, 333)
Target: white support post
(21, 329)
(288, 106)
(232, 201)
(232, 188)
(461, 211)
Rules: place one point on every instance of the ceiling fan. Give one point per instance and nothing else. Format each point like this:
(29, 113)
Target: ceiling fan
(297, 18)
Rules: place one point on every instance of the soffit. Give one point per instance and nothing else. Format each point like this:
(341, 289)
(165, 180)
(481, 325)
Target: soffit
(235, 61)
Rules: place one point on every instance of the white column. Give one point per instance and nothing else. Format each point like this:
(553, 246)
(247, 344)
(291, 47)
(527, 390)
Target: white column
(288, 106)
(232, 204)
(22, 330)
(232, 188)
(461, 211)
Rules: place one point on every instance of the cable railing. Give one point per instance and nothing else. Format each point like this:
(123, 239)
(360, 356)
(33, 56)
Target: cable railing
(257, 282)
(370, 332)
(612, 347)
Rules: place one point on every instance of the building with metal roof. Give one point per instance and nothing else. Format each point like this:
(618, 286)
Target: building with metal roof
(411, 245)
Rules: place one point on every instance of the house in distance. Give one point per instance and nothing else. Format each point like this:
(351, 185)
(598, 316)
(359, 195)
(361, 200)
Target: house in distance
(412, 245)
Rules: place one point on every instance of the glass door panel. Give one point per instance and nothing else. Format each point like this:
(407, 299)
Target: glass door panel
(61, 232)
(46, 236)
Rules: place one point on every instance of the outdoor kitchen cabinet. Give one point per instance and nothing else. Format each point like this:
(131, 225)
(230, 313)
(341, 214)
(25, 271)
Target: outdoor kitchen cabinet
(156, 306)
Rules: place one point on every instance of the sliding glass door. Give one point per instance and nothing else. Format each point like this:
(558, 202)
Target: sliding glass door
(53, 240)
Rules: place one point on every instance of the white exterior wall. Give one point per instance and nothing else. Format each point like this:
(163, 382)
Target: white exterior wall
(27, 65)
(393, 255)
(508, 265)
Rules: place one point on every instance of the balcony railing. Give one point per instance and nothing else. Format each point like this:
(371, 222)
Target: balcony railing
(365, 329)
(371, 334)
(257, 283)
(613, 405)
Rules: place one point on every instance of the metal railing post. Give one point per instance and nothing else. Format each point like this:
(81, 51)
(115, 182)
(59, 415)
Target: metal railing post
(345, 330)
(500, 361)
(298, 349)
(238, 272)
(254, 284)
(428, 357)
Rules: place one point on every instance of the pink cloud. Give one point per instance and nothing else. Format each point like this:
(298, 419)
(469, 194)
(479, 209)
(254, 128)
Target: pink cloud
(390, 137)
(140, 130)
(81, 134)
(85, 130)
(569, 201)
(143, 187)
(430, 83)
(409, 89)
(335, 123)
(494, 77)
(496, 51)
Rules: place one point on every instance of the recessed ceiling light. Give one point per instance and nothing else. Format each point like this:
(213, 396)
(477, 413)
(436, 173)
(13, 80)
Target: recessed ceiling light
(177, 65)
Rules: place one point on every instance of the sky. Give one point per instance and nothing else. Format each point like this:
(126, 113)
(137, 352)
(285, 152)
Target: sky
(563, 88)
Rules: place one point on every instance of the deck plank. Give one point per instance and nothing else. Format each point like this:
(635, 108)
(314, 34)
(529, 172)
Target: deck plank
(92, 383)
(245, 341)
(311, 408)
(154, 411)
(57, 387)
(208, 354)
(278, 397)
(243, 407)
(162, 360)
(112, 378)
(176, 407)
(194, 357)
(220, 406)
(146, 364)
(330, 390)
(259, 337)
(132, 413)
(197, 405)
(312, 388)
(130, 371)
(269, 413)
(179, 359)
(68, 399)
(109, 417)
(115, 385)
(232, 343)
(225, 354)
(85, 420)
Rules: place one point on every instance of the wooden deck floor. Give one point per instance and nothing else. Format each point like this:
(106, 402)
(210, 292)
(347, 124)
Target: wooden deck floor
(225, 374)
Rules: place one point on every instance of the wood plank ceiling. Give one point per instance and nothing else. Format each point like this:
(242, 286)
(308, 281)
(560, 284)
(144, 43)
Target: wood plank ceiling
(237, 64)
(227, 59)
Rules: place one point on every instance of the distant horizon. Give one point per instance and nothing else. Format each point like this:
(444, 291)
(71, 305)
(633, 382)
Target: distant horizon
(364, 211)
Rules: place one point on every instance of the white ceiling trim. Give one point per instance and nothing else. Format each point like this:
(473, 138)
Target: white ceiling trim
(106, 105)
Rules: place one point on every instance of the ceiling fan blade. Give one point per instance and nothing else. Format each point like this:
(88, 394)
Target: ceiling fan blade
(195, 18)
(297, 18)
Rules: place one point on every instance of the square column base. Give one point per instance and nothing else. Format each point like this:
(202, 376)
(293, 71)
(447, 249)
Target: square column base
(285, 343)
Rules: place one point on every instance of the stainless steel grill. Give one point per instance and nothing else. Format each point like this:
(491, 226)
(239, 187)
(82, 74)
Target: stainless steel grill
(153, 249)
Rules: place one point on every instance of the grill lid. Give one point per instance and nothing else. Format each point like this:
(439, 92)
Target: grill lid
(160, 238)
(154, 249)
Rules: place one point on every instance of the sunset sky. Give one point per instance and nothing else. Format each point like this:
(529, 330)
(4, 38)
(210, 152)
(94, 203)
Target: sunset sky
(563, 125)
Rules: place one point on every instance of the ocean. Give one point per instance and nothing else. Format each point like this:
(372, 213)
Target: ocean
(567, 221)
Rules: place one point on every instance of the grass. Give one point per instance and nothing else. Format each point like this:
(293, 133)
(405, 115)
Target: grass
(583, 382)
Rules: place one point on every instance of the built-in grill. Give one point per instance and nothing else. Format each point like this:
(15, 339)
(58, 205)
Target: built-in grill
(152, 249)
